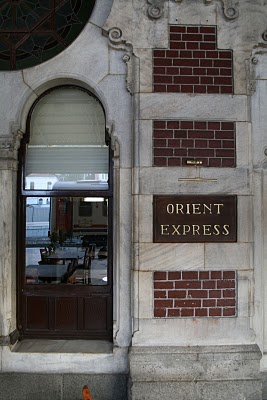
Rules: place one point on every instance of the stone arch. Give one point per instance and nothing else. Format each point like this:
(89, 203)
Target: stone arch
(34, 92)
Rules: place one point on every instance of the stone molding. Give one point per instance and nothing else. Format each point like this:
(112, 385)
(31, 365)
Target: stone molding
(252, 85)
(117, 42)
(155, 8)
(115, 146)
(229, 7)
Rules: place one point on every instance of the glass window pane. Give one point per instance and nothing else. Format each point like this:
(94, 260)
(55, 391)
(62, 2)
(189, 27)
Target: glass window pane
(67, 141)
(66, 240)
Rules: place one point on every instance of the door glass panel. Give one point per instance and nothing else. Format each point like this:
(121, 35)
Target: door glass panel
(66, 240)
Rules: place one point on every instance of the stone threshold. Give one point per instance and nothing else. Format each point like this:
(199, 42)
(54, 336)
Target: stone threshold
(63, 346)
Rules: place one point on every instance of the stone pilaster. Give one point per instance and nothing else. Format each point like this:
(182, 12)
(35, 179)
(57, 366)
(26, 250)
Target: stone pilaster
(8, 188)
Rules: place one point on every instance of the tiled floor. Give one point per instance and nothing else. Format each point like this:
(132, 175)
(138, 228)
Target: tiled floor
(63, 346)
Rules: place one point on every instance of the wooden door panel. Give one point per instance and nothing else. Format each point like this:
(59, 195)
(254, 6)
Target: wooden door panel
(95, 314)
(73, 317)
(37, 312)
(66, 313)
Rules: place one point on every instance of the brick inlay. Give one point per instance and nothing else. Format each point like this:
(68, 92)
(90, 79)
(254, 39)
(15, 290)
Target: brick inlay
(193, 64)
(195, 294)
(212, 142)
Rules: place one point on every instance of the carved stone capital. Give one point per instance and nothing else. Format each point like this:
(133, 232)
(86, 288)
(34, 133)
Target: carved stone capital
(17, 139)
(155, 9)
(116, 41)
(9, 146)
(11, 143)
(230, 7)
(6, 143)
(115, 145)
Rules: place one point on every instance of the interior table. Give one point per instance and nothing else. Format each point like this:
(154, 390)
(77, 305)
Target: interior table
(66, 255)
(47, 273)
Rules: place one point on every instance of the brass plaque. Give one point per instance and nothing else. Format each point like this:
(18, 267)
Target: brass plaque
(193, 219)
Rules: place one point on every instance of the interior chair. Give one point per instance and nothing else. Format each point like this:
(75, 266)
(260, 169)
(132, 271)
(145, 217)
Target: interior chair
(73, 265)
(87, 259)
(31, 275)
(43, 253)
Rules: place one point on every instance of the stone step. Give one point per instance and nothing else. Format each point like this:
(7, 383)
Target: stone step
(31, 386)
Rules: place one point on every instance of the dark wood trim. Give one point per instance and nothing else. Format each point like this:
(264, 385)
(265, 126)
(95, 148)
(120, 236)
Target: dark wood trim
(66, 193)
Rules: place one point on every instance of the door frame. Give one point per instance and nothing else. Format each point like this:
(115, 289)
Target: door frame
(62, 291)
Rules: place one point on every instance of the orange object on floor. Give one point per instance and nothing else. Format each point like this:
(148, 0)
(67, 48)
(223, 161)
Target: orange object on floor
(86, 393)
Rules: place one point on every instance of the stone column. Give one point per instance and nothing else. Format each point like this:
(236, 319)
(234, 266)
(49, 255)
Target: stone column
(8, 189)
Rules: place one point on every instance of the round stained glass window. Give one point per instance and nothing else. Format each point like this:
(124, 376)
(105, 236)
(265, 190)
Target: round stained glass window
(33, 31)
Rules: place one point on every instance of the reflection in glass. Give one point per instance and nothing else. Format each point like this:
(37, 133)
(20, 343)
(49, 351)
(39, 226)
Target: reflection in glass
(66, 240)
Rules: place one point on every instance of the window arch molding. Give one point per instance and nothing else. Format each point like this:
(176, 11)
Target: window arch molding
(43, 87)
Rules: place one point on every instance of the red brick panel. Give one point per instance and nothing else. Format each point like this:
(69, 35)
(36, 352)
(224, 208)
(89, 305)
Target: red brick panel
(195, 294)
(211, 142)
(193, 64)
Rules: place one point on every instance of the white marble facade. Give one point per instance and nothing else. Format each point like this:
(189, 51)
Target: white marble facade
(112, 57)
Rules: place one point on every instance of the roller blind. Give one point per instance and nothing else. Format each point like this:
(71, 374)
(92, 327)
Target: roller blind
(60, 160)
(67, 136)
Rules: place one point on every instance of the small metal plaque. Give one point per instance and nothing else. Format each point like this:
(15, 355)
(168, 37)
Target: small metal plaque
(193, 219)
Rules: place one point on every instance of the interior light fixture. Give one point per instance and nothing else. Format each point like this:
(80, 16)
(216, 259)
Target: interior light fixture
(93, 199)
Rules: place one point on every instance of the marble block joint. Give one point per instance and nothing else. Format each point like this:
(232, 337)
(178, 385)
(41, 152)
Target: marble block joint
(195, 294)
(193, 64)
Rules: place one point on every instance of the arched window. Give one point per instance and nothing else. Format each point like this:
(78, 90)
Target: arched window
(67, 139)
(65, 256)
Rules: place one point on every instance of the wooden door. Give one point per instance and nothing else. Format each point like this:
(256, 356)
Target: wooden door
(64, 309)
(64, 156)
